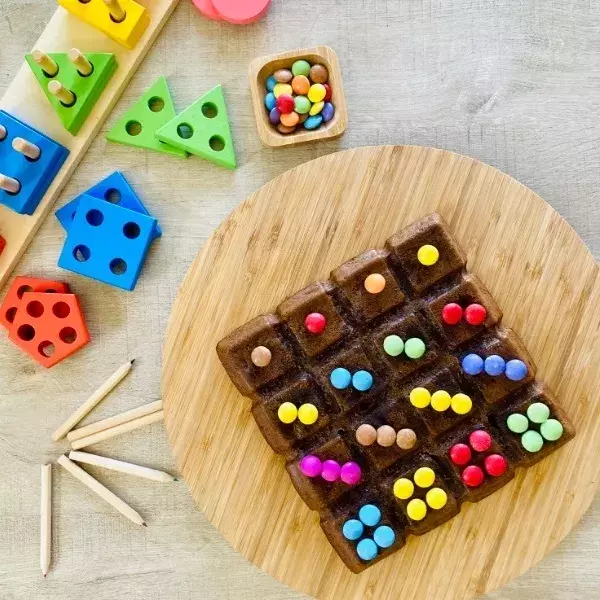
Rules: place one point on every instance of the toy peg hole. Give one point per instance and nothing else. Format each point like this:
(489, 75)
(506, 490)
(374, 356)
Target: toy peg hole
(131, 230)
(185, 131)
(22, 290)
(118, 266)
(156, 104)
(113, 196)
(67, 335)
(72, 104)
(61, 310)
(121, 20)
(35, 309)
(11, 313)
(216, 143)
(26, 333)
(50, 291)
(81, 253)
(94, 217)
(46, 348)
(133, 128)
(3, 133)
(84, 1)
(210, 110)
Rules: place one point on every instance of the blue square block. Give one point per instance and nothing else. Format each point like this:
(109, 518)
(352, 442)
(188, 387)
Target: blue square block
(114, 189)
(35, 176)
(107, 242)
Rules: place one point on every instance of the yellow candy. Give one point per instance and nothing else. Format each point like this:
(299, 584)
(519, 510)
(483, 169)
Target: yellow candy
(282, 88)
(461, 404)
(428, 255)
(403, 488)
(440, 401)
(316, 108)
(287, 413)
(416, 509)
(424, 477)
(420, 397)
(308, 414)
(436, 498)
(316, 93)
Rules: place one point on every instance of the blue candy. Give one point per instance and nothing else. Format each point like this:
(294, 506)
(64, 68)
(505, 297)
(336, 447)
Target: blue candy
(328, 112)
(340, 378)
(516, 370)
(369, 514)
(270, 101)
(362, 380)
(366, 549)
(494, 365)
(384, 536)
(353, 529)
(472, 364)
(313, 122)
(271, 83)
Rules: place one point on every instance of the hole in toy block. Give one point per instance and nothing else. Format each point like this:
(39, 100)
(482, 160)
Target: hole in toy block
(61, 310)
(84, 1)
(216, 143)
(11, 313)
(68, 335)
(22, 290)
(35, 309)
(156, 104)
(46, 348)
(72, 104)
(113, 196)
(133, 128)
(26, 333)
(94, 217)
(81, 253)
(210, 110)
(118, 266)
(51, 291)
(131, 230)
(185, 131)
(120, 20)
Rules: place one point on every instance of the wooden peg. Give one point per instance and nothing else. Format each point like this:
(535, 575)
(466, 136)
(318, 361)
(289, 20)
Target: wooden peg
(47, 64)
(57, 89)
(117, 12)
(8, 184)
(2, 132)
(27, 148)
(82, 64)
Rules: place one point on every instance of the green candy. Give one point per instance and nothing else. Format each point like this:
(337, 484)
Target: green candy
(301, 67)
(414, 348)
(302, 105)
(517, 423)
(532, 441)
(551, 430)
(393, 345)
(538, 412)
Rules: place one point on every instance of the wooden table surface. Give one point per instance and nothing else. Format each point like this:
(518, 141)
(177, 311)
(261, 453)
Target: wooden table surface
(514, 84)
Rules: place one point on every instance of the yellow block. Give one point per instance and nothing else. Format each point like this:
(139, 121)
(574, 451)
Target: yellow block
(95, 12)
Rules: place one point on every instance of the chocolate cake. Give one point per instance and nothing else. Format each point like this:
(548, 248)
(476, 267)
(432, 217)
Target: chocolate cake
(393, 393)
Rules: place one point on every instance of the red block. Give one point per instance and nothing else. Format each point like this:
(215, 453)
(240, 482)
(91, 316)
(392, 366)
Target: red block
(49, 327)
(2, 244)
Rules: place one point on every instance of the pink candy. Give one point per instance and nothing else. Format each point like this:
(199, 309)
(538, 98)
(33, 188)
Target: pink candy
(350, 473)
(311, 466)
(331, 470)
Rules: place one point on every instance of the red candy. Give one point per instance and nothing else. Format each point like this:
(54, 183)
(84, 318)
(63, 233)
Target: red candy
(315, 323)
(285, 104)
(475, 314)
(495, 465)
(328, 92)
(460, 454)
(472, 476)
(452, 313)
(480, 440)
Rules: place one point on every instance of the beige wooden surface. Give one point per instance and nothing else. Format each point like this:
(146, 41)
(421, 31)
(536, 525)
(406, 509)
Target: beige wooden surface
(514, 84)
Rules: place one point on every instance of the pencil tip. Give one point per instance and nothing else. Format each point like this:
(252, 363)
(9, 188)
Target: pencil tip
(145, 524)
(132, 360)
(44, 574)
(175, 479)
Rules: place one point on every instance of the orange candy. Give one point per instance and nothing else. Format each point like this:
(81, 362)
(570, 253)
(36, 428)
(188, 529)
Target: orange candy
(301, 85)
(375, 283)
(290, 119)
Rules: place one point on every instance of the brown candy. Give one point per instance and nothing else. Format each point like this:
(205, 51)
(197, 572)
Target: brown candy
(318, 74)
(261, 356)
(406, 439)
(283, 75)
(366, 435)
(284, 129)
(386, 436)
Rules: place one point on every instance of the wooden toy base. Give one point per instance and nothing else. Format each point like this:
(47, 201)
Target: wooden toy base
(294, 231)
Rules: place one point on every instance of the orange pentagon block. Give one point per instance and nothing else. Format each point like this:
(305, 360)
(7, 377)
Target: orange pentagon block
(49, 327)
(20, 285)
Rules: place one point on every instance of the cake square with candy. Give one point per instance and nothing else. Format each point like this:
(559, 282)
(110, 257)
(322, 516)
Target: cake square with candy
(393, 393)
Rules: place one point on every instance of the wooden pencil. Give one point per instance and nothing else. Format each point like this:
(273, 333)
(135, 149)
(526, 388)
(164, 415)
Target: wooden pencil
(118, 430)
(130, 415)
(101, 490)
(93, 400)
(46, 519)
(120, 466)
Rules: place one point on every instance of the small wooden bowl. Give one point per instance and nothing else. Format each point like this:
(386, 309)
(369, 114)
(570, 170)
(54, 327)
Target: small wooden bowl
(261, 68)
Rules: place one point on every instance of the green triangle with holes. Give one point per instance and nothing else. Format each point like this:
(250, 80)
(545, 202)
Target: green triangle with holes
(203, 129)
(138, 125)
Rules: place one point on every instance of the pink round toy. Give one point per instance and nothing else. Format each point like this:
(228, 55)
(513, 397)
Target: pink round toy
(241, 12)
(350, 473)
(207, 9)
(311, 466)
(331, 470)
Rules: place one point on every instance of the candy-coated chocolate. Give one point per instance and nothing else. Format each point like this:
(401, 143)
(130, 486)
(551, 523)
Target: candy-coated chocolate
(494, 365)
(261, 356)
(275, 116)
(420, 397)
(301, 67)
(386, 436)
(301, 85)
(308, 414)
(416, 509)
(331, 470)
(472, 476)
(316, 108)
(424, 477)
(311, 466)
(480, 440)
(270, 101)
(384, 536)
(328, 92)
(472, 364)
(538, 412)
(315, 323)
(282, 89)
(517, 423)
(436, 498)
(441, 400)
(475, 314)
(366, 434)
(283, 75)
(285, 129)
(328, 112)
(340, 378)
(403, 488)
(353, 529)
(515, 370)
(532, 441)
(285, 104)
(302, 105)
(366, 549)
(551, 430)
(287, 413)
(393, 345)
(406, 439)
(271, 83)
(303, 117)
(452, 313)
(362, 381)
(350, 473)
(414, 348)
(369, 514)
(495, 465)
(290, 119)
(318, 74)
(375, 283)
(460, 454)
(313, 122)
(317, 92)
(428, 255)
(461, 404)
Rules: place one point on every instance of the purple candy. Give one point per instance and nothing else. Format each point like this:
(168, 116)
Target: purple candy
(311, 466)
(327, 112)
(274, 116)
(350, 473)
(331, 470)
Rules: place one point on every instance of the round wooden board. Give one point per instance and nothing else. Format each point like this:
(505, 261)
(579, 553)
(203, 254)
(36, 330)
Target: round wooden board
(295, 230)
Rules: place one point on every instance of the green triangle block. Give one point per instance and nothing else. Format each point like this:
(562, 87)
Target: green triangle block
(203, 129)
(86, 89)
(139, 124)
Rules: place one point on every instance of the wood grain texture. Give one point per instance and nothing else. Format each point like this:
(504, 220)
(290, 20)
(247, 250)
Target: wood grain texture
(295, 230)
(510, 83)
